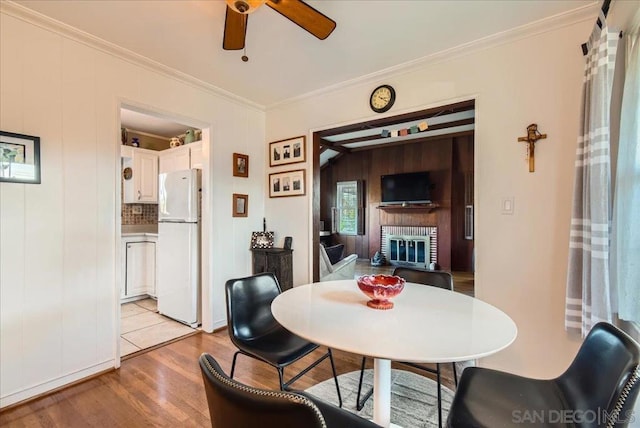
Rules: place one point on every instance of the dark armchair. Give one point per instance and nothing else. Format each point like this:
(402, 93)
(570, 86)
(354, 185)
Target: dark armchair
(257, 334)
(598, 389)
(232, 404)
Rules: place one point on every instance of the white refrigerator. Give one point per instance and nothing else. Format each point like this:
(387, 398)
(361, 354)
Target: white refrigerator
(178, 248)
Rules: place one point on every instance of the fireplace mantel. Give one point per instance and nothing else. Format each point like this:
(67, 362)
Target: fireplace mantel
(396, 208)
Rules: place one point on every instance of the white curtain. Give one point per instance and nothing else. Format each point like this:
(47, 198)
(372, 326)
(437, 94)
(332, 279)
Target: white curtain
(625, 239)
(588, 293)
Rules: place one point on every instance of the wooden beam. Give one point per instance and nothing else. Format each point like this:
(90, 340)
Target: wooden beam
(435, 127)
(415, 140)
(407, 117)
(334, 146)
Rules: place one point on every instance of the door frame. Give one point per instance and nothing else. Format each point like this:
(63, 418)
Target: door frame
(314, 201)
(205, 219)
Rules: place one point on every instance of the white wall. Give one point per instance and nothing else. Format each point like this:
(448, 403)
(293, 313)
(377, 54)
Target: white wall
(58, 265)
(521, 258)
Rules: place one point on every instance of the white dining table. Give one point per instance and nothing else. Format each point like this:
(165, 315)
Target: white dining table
(426, 325)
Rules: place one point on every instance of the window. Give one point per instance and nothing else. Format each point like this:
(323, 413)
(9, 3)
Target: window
(349, 207)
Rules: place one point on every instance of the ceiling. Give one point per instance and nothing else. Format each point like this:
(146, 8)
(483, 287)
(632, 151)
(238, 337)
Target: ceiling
(284, 60)
(153, 125)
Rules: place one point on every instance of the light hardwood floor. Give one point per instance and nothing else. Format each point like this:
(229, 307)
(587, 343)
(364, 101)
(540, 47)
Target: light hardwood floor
(163, 387)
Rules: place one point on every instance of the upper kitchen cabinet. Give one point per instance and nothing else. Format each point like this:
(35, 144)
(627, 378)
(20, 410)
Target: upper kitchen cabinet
(188, 156)
(196, 154)
(175, 159)
(140, 172)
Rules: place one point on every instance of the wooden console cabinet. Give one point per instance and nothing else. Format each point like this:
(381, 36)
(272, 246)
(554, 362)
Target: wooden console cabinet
(276, 260)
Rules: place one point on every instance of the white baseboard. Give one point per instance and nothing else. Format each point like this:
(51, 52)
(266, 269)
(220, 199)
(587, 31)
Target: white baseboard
(16, 397)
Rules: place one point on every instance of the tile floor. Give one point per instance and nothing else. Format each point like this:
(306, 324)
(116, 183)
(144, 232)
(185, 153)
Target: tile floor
(142, 327)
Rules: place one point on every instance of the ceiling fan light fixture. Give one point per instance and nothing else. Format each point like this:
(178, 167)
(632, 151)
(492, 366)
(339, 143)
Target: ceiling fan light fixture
(245, 6)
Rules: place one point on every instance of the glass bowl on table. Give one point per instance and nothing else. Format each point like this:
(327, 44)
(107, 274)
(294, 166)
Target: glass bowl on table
(380, 289)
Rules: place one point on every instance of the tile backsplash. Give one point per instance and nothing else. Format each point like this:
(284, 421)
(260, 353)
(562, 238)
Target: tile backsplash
(149, 214)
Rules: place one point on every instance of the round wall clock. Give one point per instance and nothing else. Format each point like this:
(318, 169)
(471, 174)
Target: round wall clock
(382, 98)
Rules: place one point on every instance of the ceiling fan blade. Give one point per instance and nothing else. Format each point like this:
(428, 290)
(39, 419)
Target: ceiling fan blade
(235, 30)
(305, 16)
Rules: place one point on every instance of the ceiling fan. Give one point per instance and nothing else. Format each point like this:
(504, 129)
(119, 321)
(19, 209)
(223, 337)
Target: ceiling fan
(235, 26)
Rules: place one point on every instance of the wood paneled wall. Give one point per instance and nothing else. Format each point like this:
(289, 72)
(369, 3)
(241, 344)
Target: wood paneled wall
(461, 195)
(436, 156)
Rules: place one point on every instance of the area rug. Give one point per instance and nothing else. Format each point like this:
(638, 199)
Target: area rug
(414, 398)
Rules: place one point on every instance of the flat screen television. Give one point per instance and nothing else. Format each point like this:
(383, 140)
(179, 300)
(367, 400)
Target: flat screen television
(407, 188)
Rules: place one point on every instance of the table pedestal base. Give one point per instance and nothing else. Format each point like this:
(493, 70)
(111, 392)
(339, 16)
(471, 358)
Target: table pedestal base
(382, 392)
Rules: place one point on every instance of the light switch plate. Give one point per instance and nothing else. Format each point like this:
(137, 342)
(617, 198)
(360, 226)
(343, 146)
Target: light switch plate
(507, 205)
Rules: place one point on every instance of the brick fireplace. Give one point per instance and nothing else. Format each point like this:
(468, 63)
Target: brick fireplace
(415, 246)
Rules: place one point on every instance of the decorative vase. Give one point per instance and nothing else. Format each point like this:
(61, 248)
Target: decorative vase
(189, 136)
(380, 289)
(378, 259)
(175, 142)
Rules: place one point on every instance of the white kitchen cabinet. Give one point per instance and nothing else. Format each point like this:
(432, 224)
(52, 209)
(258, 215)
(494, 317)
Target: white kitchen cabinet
(142, 185)
(139, 267)
(196, 154)
(175, 159)
(180, 158)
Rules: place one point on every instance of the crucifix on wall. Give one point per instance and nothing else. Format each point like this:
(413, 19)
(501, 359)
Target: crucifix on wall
(533, 135)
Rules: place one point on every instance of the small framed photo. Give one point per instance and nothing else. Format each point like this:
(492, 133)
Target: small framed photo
(240, 205)
(240, 165)
(262, 240)
(287, 151)
(19, 158)
(289, 183)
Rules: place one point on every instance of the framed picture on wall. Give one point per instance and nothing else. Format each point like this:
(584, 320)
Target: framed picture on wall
(289, 183)
(262, 240)
(284, 152)
(240, 205)
(240, 165)
(19, 158)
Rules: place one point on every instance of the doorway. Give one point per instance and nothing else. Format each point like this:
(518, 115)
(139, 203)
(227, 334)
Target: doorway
(436, 142)
(154, 145)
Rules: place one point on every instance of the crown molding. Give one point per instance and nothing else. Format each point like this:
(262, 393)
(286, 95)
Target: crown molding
(35, 18)
(552, 23)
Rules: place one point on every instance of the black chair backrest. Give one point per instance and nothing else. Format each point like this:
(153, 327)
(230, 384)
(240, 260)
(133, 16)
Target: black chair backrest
(436, 278)
(232, 404)
(249, 305)
(605, 363)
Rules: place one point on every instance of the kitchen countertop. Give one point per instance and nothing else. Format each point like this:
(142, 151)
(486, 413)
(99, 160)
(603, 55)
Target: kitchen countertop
(146, 235)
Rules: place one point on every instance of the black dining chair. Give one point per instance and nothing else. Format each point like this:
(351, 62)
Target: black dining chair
(598, 389)
(257, 334)
(233, 404)
(440, 279)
